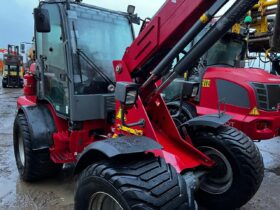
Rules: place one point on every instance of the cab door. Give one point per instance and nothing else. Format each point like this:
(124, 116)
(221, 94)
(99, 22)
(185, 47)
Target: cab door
(50, 48)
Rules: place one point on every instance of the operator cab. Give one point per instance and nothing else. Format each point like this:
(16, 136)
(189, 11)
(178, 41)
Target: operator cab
(75, 46)
(228, 51)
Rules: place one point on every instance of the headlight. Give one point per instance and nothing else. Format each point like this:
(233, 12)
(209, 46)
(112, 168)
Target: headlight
(131, 97)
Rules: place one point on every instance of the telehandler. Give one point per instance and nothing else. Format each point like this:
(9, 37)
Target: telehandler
(223, 83)
(111, 119)
(13, 68)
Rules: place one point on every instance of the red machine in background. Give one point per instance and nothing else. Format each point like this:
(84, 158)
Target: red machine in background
(116, 126)
(224, 84)
(250, 96)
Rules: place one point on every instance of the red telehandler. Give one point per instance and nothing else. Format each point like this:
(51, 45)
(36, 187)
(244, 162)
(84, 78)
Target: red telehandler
(222, 82)
(116, 126)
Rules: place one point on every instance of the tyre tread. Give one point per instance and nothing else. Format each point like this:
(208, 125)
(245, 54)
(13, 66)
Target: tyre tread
(38, 163)
(149, 183)
(246, 154)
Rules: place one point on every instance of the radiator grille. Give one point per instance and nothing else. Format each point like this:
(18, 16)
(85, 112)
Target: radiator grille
(268, 96)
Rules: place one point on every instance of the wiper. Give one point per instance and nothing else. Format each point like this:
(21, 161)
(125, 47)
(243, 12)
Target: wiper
(94, 66)
(82, 54)
(76, 44)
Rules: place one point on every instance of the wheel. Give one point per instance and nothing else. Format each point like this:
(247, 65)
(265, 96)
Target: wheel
(32, 165)
(21, 83)
(142, 182)
(238, 172)
(188, 112)
(4, 85)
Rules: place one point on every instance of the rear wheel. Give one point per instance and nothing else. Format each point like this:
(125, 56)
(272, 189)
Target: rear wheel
(4, 85)
(238, 172)
(32, 165)
(142, 182)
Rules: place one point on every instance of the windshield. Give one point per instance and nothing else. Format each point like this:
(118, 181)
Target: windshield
(103, 37)
(225, 52)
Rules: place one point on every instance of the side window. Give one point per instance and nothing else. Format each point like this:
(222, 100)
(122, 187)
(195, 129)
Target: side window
(55, 71)
(233, 94)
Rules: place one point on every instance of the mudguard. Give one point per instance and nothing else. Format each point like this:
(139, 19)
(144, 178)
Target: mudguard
(110, 148)
(213, 121)
(40, 130)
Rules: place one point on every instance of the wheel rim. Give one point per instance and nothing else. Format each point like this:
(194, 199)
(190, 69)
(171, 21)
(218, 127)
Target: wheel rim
(21, 150)
(220, 178)
(104, 201)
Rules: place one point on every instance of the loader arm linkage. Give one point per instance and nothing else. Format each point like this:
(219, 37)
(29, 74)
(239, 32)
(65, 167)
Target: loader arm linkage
(146, 61)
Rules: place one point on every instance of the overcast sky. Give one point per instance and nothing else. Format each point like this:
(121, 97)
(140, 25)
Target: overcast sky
(16, 19)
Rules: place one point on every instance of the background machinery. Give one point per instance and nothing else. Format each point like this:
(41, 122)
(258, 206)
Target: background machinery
(116, 126)
(223, 82)
(13, 68)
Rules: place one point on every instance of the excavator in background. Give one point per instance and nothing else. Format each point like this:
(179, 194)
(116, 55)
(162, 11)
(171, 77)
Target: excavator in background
(13, 68)
(111, 120)
(221, 81)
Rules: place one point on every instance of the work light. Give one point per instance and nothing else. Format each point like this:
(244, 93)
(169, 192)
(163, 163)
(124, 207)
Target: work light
(127, 93)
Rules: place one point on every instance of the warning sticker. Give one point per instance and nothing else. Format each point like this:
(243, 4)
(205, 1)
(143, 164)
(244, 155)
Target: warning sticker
(119, 115)
(254, 112)
(206, 83)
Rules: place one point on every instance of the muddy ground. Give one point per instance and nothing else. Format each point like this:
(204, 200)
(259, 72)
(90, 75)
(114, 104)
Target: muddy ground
(57, 193)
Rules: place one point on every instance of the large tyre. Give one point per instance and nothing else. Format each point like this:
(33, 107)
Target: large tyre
(32, 165)
(238, 172)
(188, 112)
(142, 182)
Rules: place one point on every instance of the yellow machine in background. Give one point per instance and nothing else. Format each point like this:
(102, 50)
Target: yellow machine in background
(262, 30)
(265, 23)
(13, 68)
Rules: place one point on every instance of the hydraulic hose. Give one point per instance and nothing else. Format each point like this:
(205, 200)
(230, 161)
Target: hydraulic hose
(224, 24)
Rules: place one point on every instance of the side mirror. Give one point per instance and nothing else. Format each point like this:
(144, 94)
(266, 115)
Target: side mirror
(42, 20)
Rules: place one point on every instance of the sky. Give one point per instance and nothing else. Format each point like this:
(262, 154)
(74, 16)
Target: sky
(16, 19)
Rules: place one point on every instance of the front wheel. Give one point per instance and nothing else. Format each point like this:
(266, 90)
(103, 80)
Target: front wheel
(238, 172)
(32, 165)
(137, 182)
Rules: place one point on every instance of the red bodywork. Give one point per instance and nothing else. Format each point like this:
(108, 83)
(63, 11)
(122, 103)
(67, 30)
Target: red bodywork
(243, 118)
(173, 20)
